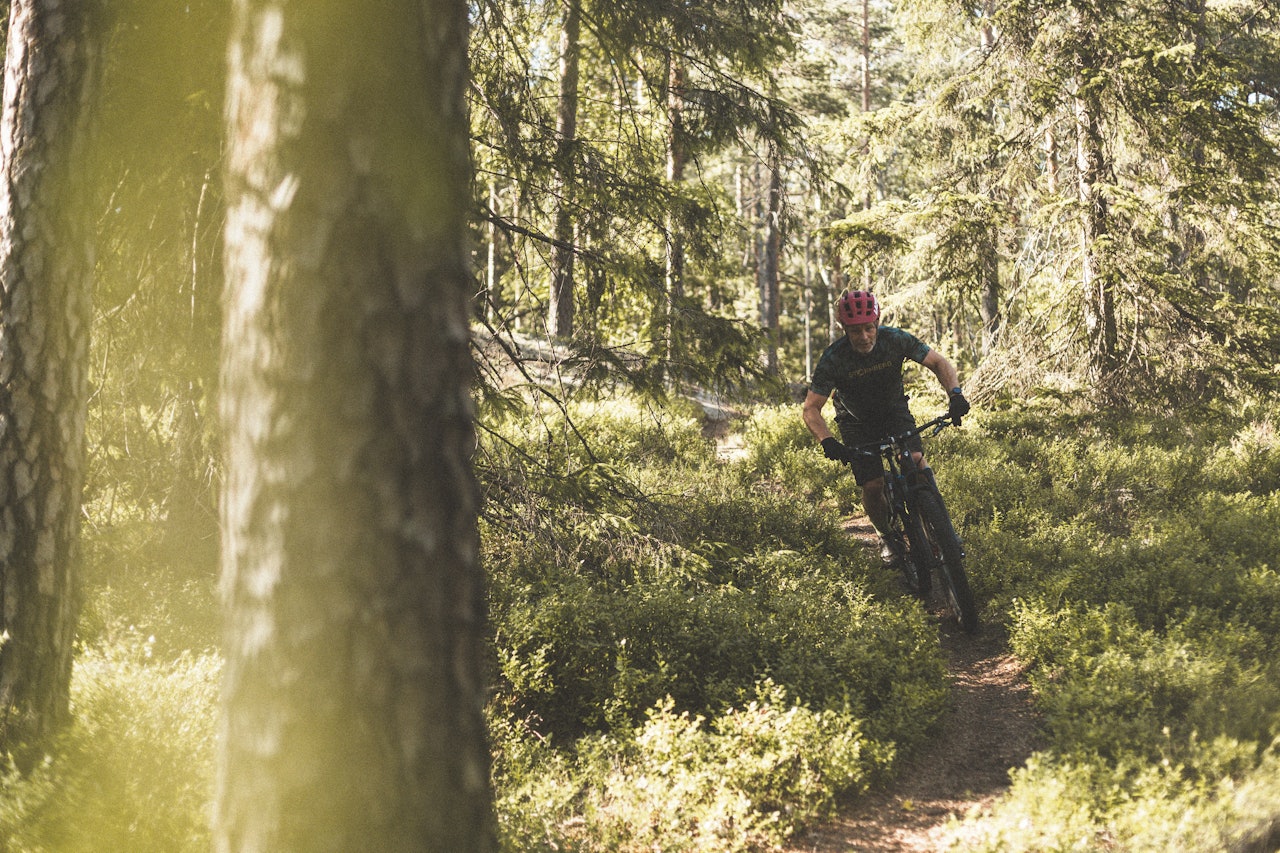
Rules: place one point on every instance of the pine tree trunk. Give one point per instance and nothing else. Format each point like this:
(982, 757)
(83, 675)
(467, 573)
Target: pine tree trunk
(990, 289)
(989, 299)
(831, 271)
(1051, 161)
(1095, 276)
(770, 260)
(866, 108)
(746, 213)
(560, 308)
(677, 160)
(1191, 237)
(493, 303)
(352, 709)
(45, 283)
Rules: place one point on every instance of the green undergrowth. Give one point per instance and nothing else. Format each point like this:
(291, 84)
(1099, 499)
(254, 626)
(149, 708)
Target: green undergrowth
(744, 779)
(134, 769)
(690, 654)
(1135, 564)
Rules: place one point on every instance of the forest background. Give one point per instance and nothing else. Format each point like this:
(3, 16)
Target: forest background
(1075, 201)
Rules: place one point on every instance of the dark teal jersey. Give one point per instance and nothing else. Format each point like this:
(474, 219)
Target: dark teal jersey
(867, 388)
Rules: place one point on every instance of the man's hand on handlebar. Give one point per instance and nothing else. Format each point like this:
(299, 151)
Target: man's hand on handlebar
(957, 406)
(834, 450)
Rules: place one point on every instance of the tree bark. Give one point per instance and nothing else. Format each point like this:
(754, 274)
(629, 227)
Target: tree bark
(1096, 276)
(990, 288)
(770, 260)
(866, 88)
(492, 277)
(1051, 161)
(46, 273)
(989, 296)
(352, 709)
(831, 271)
(560, 320)
(1096, 279)
(1191, 237)
(677, 161)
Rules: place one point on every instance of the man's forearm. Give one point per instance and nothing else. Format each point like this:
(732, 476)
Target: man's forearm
(812, 416)
(817, 424)
(947, 374)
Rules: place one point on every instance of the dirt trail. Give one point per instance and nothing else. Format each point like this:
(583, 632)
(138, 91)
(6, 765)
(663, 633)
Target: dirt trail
(988, 729)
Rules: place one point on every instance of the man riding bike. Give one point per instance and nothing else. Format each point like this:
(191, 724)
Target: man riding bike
(863, 370)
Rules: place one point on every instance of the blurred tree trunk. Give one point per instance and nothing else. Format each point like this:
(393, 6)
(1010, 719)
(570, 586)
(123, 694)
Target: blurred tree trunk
(989, 291)
(1095, 273)
(493, 307)
(46, 271)
(865, 80)
(768, 271)
(831, 272)
(1188, 257)
(746, 212)
(1051, 160)
(560, 307)
(989, 295)
(1092, 169)
(677, 162)
(352, 709)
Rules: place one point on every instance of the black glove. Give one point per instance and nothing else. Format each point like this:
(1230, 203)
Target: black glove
(833, 449)
(958, 406)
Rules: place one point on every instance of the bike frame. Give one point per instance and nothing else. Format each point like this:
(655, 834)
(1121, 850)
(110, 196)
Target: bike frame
(918, 517)
(902, 478)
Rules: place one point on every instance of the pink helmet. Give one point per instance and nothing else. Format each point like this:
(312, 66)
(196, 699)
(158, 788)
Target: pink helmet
(857, 306)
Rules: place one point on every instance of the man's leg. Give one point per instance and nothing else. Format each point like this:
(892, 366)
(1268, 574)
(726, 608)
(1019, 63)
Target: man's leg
(877, 508)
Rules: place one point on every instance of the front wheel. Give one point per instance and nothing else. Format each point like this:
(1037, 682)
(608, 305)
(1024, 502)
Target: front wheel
(920, 560)
(942, 535)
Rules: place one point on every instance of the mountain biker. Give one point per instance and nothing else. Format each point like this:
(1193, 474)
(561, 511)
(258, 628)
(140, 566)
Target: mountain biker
(863, 371)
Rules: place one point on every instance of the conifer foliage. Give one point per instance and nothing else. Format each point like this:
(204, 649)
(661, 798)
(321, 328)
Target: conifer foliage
(1087, 183)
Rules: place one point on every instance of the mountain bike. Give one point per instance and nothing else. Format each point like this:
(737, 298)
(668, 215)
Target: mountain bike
(920, 525)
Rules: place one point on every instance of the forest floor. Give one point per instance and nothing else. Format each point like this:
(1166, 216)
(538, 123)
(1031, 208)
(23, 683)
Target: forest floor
(988, 729)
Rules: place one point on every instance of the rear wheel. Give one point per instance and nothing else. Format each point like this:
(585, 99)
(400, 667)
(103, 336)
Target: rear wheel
(946, 544)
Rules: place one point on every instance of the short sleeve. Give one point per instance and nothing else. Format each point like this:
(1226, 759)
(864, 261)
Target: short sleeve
(909, 346)
(824, 380)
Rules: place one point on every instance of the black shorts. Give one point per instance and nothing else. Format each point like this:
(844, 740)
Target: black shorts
(868, 468)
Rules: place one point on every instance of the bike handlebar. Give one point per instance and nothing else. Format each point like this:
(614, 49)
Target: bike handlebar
(932, 427)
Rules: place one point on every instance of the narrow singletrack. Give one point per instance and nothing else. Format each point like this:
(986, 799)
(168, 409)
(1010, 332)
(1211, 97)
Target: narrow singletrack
(988, 729)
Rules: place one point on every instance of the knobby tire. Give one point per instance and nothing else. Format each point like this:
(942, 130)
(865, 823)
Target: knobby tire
(919, 561)
(941, 532)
